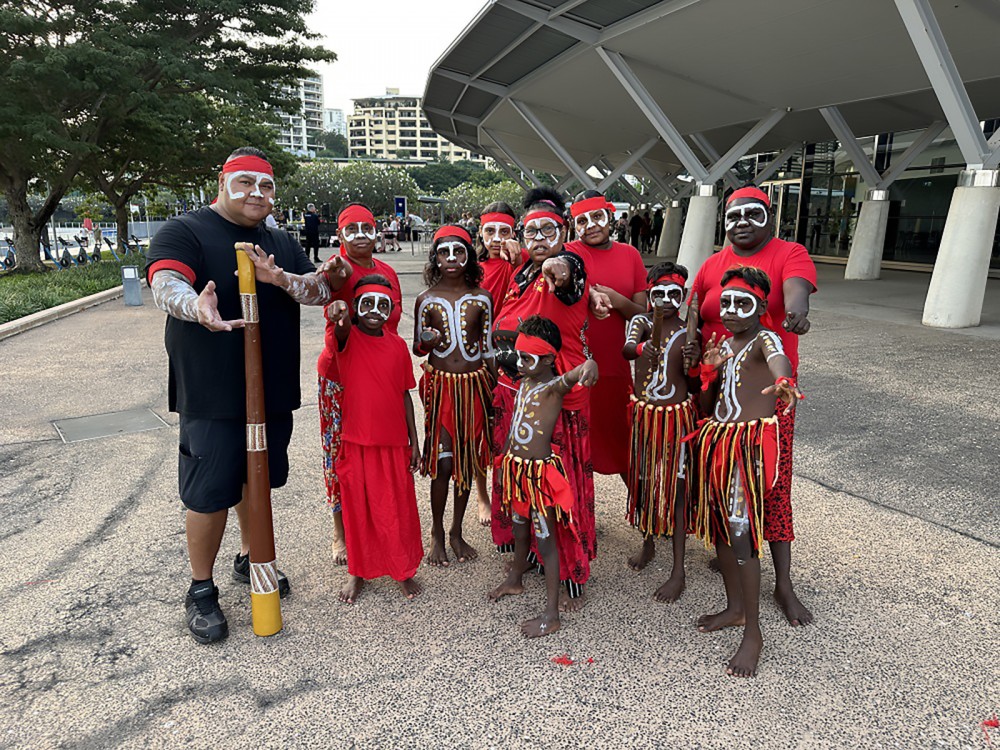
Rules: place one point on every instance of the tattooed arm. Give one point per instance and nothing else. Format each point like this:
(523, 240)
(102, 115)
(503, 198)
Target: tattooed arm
(310, 289)
(174, 294)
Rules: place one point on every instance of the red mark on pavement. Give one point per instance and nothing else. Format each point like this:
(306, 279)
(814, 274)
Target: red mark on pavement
(563, 661)
(35, 583)
(993, 723)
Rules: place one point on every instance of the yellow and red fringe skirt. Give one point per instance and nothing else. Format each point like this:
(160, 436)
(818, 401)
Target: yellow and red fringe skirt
(656, 456)
(723, 449)
(536, 484)
(457, 403)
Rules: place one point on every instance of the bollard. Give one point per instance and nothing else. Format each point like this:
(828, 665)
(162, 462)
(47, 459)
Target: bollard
(131, 285)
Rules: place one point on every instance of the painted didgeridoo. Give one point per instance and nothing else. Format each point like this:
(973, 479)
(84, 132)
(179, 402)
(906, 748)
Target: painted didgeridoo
(692, 327)
(265, 601)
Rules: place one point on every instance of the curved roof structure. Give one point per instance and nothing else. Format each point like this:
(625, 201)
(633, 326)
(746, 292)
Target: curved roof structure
(617, 78)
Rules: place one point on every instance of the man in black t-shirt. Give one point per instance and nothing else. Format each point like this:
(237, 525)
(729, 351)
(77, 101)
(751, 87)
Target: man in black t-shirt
(191, 267)
(311, 231)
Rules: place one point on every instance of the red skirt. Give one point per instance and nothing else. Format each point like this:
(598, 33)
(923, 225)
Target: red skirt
(778, 501)
(609, 400)
(379, 503)
(572, 440)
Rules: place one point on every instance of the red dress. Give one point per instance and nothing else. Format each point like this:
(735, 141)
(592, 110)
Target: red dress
(497, 274)
(621, 268)
(379, 503)
(780, 260)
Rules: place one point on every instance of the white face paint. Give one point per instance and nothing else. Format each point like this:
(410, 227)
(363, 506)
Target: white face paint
(544, 229)
(526, 362)
(749, 213)
(496, 232)
(590, 219)
(357, 231)
(257, 177)
(728, 303)
(449, 251)
(374, 302)
(672, 293)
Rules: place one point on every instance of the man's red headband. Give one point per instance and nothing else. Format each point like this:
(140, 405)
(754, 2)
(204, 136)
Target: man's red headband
(749, 192)
(376, 288)
(591, 204)
(449, 230)
(670, 278)
(533, 345)
(248, 164)
(497, 219)
(544, 215)
(355, 215)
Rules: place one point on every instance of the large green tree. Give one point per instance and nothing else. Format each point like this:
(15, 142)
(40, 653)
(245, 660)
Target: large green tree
(73, 75)
(436, 178)
(375, 185)
(474, 198)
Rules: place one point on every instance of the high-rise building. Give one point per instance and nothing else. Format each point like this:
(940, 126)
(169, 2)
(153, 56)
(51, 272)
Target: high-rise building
(393, 127)
(334, 121)
(300, 133)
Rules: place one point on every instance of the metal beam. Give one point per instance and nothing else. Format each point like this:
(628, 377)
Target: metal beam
(776, 163)
(521, 38)
(744, 144)
(993, 160)
(713, 158)
(633, 157)
(644, 100)
(510, 171)
(932, 49)
(916, 148)
(550, 140)
(492, 88)
(579, 31)
(565, 182)
(846, 137)
(662, 181)
(493, 136)
(566, 7)
(452, 116)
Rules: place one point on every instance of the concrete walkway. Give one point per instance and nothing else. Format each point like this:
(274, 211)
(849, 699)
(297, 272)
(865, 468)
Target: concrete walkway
(897, 555)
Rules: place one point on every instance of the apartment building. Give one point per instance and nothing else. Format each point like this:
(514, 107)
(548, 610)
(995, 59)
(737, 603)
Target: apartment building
(300, 133)
(334, 121)
(392, 126)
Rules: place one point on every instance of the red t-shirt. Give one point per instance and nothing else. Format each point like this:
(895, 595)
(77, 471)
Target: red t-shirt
(621, 268)
(497, 274)
(327, 363)
(780, 260)
(375, 372)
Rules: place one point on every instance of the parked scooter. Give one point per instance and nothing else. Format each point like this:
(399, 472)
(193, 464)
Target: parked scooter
(8, 255)
(78, 258)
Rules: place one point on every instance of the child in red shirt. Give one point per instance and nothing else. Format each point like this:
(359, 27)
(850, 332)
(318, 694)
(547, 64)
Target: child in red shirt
(380, 449)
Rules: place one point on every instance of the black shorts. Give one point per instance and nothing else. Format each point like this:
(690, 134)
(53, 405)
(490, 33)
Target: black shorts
(212, 459)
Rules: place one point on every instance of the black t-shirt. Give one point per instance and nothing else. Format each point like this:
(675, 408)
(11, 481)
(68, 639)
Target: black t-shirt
(207, 368)
(311, 224)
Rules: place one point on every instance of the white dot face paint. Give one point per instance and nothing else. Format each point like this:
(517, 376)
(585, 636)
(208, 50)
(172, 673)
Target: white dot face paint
(260, 179)
(736, 301)
(374, 302)
(496, 231)
(526, 362)
(749, 213)
(356, 231)
(672, 293)
(452, 252)
(597, 218)
(544, 229)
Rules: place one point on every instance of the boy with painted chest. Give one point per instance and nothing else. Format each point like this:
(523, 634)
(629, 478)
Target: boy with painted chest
(533, 481)
(737, 450)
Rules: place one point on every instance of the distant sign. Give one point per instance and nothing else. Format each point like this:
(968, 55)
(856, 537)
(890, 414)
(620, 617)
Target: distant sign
(400, 205)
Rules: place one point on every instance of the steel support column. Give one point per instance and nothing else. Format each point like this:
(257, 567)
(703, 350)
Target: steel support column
(550, 140)
(493, 136)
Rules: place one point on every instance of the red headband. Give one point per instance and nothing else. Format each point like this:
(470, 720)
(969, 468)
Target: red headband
(544, 215)
(591, 204)
(449, 230)
(497, 219)
(673, 278)
(750, 192)
(738, 282)
(355, 215)
(248, 164)
(533, 345)
(377, 288)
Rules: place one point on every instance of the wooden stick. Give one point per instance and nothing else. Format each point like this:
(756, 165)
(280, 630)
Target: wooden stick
(692, 327)
(657, 322)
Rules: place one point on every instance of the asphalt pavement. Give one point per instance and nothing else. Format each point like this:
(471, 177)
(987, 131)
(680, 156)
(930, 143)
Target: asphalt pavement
(896, 512)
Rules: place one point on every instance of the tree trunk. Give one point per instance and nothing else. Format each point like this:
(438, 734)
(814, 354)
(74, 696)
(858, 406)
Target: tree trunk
(27, 233)
(121, 220)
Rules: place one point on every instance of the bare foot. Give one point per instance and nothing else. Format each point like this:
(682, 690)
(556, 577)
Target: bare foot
(713, 565)
(485, 510)
(671, 590)
(411, 589)
(437, 557)
(349, 594)
(339, 552)
(727, 618)
(540, 626)
(511, 586)
(642, 558)
(463, 550)
(566, 604)
(744, 661)
(794, 610)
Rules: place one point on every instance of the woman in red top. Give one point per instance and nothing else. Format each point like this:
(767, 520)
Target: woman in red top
(793, 278)
(552, 283)
(356, 230)
(617, 270)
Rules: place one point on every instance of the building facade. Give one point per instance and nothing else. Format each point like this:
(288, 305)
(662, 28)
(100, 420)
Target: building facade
(393, 127)
(334, 121)
(301, 133)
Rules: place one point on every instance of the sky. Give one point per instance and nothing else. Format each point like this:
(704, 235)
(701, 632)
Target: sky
(385, 44)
